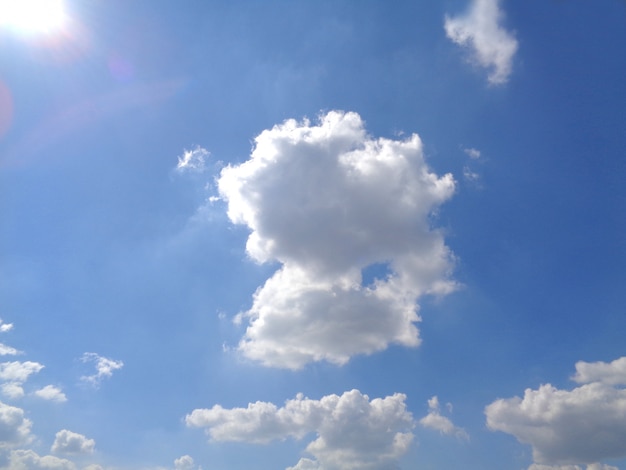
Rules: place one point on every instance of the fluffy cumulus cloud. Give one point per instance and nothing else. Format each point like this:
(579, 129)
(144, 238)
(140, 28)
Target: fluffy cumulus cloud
(352, 431)
(185, 463)
(612, 373)
(565, 428)
(480, 30)
(68, 442)
(30, 460)
(327, 201)
(435, 420)
(51, 393)
(14, 426)
(18, 371)
(104, 368)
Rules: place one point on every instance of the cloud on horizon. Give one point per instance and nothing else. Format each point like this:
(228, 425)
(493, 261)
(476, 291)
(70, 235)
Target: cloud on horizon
(327, 201)
(569, 427)
(352, 431)
(490, 45)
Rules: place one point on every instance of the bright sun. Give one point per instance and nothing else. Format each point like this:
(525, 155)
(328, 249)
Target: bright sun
(32, 16)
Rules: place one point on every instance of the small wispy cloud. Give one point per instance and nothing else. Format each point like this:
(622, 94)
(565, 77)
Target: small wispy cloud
(8, 350)
(192, 160)
(472, 153)
(104, 368)
(480, 30)
(434, 420)
(471, 176)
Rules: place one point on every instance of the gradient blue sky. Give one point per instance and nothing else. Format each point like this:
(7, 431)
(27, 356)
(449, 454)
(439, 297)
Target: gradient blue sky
(144, 142)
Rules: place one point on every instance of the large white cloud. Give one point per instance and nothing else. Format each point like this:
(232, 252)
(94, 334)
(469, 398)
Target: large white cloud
(68, 442)
(491, 45)
(327, 201)
(353, 432)
(568, 427)
(29, 460)
(14, 426)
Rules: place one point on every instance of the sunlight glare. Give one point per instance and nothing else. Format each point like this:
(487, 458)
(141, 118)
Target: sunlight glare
(32, 16)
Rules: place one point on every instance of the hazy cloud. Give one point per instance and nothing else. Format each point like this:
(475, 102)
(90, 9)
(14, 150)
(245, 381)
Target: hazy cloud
(104, 368)
(490, 44)
(51, 393)
(472, 153)
(352, 431)
(327, 201)
(434, 420)
(569, 427)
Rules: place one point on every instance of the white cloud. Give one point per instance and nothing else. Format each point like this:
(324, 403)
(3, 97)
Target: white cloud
(51, 393)
(491, 45)
(472, 153)
(8, 350)
(352, 432)
(582, 426)
(14, 427)
(593, 466)
(30, 460)
(4, 327)
(185, 463)
(19, 371)
(12, 390)
(68, 442)
(192, 160)
(434, 420)
(327, 201)
(306, 464)
(613, 373)
(104, 368)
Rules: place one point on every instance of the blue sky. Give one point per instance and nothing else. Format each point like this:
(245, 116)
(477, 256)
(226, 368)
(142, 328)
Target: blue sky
(313, 235)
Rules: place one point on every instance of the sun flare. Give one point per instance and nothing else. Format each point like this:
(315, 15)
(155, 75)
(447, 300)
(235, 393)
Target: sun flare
(32, 16)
